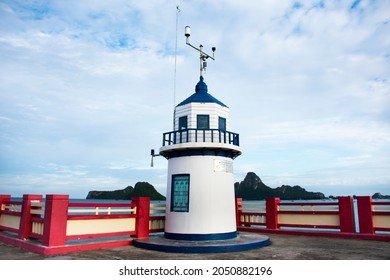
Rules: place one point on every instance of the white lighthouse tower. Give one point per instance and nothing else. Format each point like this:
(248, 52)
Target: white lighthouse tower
(200, 150)
(200, 214)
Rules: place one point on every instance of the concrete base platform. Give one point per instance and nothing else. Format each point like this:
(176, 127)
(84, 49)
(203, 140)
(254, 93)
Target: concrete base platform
(243, 241)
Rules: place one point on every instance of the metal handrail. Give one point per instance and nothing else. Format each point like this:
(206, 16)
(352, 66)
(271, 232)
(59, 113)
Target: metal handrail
(200, 135)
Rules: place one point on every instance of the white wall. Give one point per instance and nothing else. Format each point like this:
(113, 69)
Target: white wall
(192, 109)
(211, 201)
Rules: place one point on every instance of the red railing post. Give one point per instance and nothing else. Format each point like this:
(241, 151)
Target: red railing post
(143, 216)
(25, 218)
(271, 214)
(346, 214)
(364, 205)
(238, 211)
(4, 198)
(55, 220)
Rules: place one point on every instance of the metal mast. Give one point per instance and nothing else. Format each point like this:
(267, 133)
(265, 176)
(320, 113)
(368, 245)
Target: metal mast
(202, 55)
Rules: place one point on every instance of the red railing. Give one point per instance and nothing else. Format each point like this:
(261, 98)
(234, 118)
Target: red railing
(371, 217)
(381, 213)
(157, 217)
(98, 211)
(324, 218)
(11, 211)
(57, 221)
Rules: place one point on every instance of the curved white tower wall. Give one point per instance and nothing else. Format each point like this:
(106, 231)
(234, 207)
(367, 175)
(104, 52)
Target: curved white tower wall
(200, 151)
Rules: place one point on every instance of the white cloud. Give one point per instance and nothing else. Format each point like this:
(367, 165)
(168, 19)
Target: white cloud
(88, 85)
(332, 130)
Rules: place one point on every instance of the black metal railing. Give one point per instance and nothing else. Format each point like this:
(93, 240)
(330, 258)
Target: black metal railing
(200, 135)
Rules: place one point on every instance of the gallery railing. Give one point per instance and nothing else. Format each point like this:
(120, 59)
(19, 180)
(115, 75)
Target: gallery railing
(200, 135)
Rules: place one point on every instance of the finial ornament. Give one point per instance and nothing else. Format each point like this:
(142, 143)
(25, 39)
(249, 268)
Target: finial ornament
(203, 56)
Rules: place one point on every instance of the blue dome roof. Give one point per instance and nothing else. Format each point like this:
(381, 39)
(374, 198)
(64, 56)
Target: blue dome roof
(201, 95)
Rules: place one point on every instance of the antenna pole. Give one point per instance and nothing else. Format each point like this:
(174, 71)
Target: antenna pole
(174, 77)
(174, 80)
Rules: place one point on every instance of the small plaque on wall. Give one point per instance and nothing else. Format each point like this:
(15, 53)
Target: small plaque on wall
(223, 166)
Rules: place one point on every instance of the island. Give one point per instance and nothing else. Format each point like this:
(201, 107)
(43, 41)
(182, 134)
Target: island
(252, 188)
(380, 196)
(140, 189)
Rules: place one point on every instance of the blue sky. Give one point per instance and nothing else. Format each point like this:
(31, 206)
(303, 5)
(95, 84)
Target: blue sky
(87, 86)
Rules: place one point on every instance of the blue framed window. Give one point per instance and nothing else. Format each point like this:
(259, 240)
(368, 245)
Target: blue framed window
(183, 123)
(221, 123)
(203, 122)
(180, 193)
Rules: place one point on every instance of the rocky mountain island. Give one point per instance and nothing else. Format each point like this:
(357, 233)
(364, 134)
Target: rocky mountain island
(251, 188)
(140, 189)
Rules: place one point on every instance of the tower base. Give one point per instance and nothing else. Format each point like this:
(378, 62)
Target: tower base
(201, 237)
(243, 241)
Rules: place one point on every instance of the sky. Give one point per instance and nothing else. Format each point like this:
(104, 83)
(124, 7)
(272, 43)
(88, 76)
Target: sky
(88, 87)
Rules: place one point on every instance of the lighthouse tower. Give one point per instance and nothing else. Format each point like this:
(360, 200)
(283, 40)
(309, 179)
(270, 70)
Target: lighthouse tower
(200, 214)
(200, 151)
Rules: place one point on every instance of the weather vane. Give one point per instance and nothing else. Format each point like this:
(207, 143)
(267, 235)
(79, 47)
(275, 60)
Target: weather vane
(203, 56)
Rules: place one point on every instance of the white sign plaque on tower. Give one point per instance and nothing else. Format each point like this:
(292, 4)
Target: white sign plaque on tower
(223, 166)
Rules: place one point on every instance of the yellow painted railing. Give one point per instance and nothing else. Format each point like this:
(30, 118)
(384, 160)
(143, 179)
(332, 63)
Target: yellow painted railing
(157, 217)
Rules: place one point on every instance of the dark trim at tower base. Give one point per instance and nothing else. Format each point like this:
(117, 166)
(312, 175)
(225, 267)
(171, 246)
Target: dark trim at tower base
(200, 237)
(243, 241)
